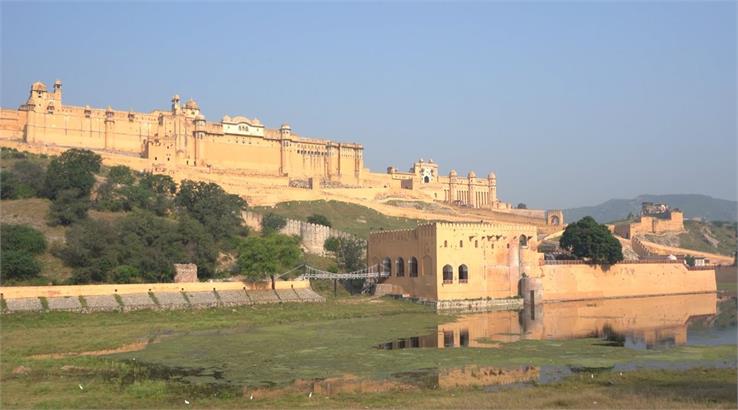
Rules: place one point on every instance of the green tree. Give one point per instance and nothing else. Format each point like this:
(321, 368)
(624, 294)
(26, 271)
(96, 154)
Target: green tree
(21, 238)
(8, 185)
(589, 240)
(689, 259)
(199, 246)
(18, 245)
(522, 206)
(121, 174)
(18, 265)
(332, 244)
(68, 207)
(319, 219)
(30, 176)
(262, 257)
(74, 169)
(218, 211)
(272, 223)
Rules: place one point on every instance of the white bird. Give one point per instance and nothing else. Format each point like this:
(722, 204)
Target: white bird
(591, 376)
(80, 387)
(310, 396)
(252, 396)
(187, 402)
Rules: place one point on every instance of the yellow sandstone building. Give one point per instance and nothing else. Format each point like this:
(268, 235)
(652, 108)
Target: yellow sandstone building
(235, 151)
(451, 264)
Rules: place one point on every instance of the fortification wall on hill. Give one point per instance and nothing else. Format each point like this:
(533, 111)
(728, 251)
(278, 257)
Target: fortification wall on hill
(312, 236)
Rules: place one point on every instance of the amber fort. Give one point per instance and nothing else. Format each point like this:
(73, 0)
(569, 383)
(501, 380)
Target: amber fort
(486, 249)
(267, 165)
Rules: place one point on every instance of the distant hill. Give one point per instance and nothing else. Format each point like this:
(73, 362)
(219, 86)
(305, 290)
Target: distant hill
(693, 206)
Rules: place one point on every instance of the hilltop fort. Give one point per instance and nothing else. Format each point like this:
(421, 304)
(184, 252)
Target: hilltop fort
(267, 165)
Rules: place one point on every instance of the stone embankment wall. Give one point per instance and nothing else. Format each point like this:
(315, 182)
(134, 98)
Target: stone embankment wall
(160, 296)
(313, 236)
(573, 281)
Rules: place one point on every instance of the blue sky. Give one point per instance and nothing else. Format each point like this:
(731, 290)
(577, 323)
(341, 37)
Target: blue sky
(569, 103)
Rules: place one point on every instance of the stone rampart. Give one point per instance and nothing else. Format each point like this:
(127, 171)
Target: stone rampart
(93, 298)
(312, 236)
(15, 292)
(581, 281)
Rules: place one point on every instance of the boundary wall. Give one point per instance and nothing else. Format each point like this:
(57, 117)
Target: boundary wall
(15, 292)
(312, 236)
(562, 282)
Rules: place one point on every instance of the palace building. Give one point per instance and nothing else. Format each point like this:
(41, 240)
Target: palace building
(238, 152)
(181, 137)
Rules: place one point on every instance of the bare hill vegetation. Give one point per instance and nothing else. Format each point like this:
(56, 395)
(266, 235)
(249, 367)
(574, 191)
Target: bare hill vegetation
(713, 237)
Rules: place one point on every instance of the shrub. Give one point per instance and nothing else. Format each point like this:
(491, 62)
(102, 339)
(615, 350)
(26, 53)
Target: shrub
(319, 220)
(21, 238)
(68, 207)
(18, 264)
(272, 223)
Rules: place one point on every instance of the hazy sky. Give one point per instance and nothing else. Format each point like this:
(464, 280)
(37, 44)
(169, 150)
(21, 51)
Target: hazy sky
(570, 103)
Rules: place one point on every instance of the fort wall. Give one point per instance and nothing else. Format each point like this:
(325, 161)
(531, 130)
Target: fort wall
(16, 292)
(312, 236)
(580, 281)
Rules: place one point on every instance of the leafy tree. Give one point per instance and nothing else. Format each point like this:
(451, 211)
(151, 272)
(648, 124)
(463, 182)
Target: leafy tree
(69, 206)
(319, 220)
(272, 223)
(689, 259)
(522, 206)
(19, 265)
(590, 240)
(199, 246)
(266, 256)
(74, 169)
(8, 185)
(21, 238)
(19, 244)
(349, 254)
(161, 184)
(332, 244)
(121, 174)
(30, 176)
(218, 211)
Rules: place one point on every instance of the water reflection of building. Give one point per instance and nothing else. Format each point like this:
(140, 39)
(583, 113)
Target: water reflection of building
(651, 321)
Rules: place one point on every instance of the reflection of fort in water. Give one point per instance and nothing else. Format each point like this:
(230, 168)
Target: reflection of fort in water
(651, 321)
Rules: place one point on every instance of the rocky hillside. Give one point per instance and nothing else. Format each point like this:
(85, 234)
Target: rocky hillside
(713, 237)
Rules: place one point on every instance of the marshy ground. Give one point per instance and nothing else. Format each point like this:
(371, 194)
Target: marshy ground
(276, 356)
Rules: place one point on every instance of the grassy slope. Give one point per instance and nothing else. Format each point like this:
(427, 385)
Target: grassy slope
(356, 219)
(725, 233)
(282, 342)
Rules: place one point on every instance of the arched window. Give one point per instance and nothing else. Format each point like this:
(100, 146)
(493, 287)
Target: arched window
(448, 274)
(461, 243)
(463, 274)
(400, 267)
(412, 266)
(476, 244)
(555, 220)
(445, 244)
(523, 241)
(387, 265)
